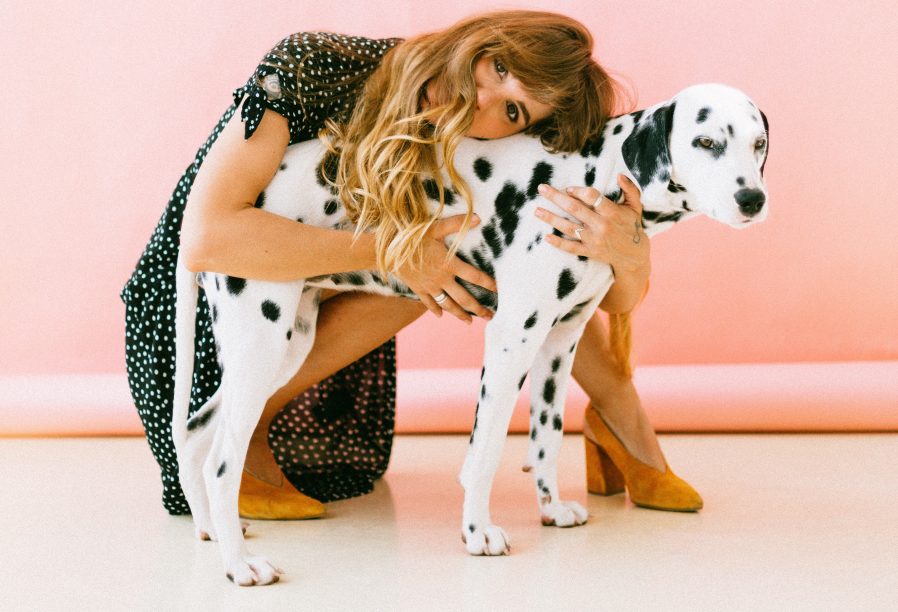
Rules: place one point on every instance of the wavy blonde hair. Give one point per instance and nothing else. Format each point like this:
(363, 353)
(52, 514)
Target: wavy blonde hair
(389, 146)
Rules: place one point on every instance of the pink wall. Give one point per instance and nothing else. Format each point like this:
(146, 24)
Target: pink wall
(103, 108)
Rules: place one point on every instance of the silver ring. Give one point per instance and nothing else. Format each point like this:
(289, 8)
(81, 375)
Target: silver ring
(577, 233)
(440, 297)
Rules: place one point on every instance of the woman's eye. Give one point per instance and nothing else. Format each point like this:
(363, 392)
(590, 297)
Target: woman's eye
(500, 67)
(512, 111)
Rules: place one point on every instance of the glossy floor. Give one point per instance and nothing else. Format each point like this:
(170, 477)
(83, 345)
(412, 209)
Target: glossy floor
(791, 522)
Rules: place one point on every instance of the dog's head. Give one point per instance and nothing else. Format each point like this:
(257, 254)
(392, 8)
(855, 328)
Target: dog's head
(704, 151)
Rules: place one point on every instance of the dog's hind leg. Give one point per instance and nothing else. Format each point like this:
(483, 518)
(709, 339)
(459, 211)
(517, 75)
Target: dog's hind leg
(258, 353)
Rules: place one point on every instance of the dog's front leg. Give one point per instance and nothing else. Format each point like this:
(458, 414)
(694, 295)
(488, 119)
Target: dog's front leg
(548, 388)
(507, 357)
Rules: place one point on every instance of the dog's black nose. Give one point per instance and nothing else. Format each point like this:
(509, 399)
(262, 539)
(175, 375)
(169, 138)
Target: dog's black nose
(750, 201)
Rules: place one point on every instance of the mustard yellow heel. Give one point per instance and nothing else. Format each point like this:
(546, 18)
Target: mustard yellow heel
(610, 468)
(602, 476)
(261, 500)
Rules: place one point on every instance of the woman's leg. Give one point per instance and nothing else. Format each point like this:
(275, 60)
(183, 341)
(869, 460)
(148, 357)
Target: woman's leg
(339, 341)
(614, 395)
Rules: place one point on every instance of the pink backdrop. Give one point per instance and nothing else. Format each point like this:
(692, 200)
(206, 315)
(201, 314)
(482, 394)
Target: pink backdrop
(106, 102)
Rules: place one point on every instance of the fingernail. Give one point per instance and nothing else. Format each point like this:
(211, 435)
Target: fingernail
(569, 190)
(540, 212)
(542, 187)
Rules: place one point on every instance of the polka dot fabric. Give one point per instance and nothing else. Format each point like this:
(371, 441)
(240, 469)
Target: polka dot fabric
(334, 440)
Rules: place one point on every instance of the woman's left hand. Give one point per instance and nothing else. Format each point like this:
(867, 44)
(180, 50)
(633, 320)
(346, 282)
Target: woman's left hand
(609, 232)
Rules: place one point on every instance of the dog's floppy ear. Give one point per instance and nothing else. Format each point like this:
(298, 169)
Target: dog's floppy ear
(767, 132)
(646, 152)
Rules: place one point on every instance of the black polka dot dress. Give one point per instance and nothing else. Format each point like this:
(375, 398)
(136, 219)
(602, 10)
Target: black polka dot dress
(334, 440)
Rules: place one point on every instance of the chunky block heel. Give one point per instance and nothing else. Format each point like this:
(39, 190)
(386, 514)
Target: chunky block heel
(610, 468)
(602, 476)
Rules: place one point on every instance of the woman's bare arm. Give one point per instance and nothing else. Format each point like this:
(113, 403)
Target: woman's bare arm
(223, 231)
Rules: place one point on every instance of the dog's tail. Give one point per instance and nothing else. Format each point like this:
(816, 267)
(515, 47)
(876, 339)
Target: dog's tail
(620, 338)
(185, 330)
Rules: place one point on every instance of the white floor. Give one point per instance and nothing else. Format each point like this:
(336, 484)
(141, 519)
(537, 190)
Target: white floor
(791, 522)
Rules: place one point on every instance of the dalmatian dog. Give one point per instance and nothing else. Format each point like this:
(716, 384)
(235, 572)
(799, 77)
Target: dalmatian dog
(700, 153)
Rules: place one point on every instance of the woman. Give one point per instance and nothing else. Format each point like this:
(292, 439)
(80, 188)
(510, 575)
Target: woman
(386, 105)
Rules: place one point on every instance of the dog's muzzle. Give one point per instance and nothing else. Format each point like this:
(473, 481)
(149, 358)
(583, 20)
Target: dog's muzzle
(750, 201)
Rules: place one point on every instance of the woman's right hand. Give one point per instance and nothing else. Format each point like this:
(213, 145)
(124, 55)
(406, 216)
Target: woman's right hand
(437, 274)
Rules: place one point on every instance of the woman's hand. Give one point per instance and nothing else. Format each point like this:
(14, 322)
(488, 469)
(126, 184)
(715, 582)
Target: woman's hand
(437, 274)
(609, 232)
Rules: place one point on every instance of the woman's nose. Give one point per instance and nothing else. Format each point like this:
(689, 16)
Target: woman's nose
(485, 98)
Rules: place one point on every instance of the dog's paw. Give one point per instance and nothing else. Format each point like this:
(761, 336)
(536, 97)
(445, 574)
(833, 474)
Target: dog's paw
(563, 514)
(208, 534)
(488, 540)
(252, 571)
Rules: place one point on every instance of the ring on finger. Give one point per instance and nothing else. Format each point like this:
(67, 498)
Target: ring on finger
(440, 298)
(578, 232)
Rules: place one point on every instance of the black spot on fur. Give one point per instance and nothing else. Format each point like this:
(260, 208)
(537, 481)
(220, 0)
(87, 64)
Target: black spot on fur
(214, 313)
(483, 168)
(282, 167)
(542, 454)
(575, 311)
(289, 334)
(330, 207)
(740, 181)
(508, 206)
(491, 235)
(730, 130)
(556, 422)
(471, 527)
(260, 201)
(355, 278)
(198, 421)
(593, 148)
(573, 346)
(532, 433)
(703, 115)
(566, 283)
(482, 391)
(549, 391)
(328, 168)
(521, 382)
(482, 263)
(675, 187)
(271, 311)
(542, 173)
(656, 217)
(433, 192)
(235, 284)
(556, 363)
(618, 128)
(217, 286)
(590, 177)
(543, 417)
(531, 320)
(221, 469)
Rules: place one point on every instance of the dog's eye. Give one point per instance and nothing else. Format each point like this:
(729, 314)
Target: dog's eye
(706, 142)
(760, 143)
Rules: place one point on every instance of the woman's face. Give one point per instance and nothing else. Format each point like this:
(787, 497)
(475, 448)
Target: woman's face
(503, 106)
